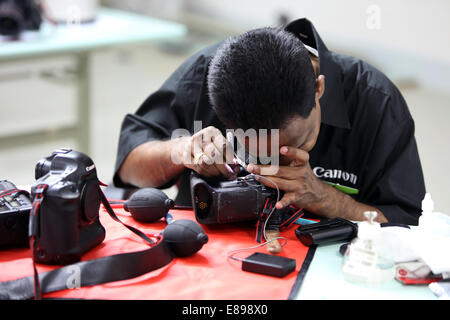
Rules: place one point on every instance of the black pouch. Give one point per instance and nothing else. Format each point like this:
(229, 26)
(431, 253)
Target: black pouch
(328, 231)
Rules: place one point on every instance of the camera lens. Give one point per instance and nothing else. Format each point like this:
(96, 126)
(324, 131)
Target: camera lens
(11, 19)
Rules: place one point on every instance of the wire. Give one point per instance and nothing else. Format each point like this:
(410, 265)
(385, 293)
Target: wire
(233, 252)
(278, 197)
(177, 207)
(230, 139)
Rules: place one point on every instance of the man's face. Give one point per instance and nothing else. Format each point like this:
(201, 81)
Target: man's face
(301, 133)
(298, 133)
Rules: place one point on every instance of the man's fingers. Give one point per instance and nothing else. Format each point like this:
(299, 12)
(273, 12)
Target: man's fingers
(212, 154)
(287, 200)
(288, 173)
(274, 182)
(298, 156)
(213, 157)
(214, 136)
(224, 146)
(209, 160)
(201, 167)
(217, 161)
(211, 135)
(204, 167)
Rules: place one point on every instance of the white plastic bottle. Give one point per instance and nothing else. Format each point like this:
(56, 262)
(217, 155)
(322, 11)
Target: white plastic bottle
(365, 260)
(431, 221)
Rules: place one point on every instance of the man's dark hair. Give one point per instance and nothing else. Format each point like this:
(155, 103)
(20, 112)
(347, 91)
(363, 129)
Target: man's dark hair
(260, 79)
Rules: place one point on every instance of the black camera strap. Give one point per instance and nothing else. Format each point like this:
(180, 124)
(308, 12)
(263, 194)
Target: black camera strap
(262, 219)
(9, 192)
(33, 229)
(93, 272)
(279, 220)
(13, 192)
(291, 217)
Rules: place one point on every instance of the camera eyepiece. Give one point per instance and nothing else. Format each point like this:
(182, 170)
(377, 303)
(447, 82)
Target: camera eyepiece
(42, 168)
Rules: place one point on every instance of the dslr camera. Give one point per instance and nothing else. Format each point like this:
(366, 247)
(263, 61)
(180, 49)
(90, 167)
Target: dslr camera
(15, 206)
(67, 223)
(19, 15)
(222, 201)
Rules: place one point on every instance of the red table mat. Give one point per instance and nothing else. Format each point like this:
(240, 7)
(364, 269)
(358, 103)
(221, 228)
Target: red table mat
(206, 275)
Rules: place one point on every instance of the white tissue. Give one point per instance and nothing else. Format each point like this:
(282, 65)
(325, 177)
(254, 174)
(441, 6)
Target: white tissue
(413, 244)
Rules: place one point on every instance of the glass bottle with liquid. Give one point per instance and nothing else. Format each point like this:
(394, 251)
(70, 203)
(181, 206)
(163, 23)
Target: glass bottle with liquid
(366, 260)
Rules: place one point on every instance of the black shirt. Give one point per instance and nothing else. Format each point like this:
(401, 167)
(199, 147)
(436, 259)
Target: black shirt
(366, 139)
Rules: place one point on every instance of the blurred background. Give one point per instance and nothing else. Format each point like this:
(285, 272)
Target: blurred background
(75, 91)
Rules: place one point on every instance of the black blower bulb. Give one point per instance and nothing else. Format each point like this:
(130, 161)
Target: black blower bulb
(148, 205)
(184, 237)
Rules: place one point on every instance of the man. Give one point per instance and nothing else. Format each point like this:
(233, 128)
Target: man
(340, 122)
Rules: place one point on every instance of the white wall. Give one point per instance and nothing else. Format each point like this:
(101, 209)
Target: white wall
(413, 33)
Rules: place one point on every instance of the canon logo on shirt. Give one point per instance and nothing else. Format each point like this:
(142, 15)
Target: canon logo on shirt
(335, 174)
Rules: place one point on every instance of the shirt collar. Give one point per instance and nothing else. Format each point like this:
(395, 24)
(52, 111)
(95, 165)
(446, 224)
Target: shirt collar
(334, 110)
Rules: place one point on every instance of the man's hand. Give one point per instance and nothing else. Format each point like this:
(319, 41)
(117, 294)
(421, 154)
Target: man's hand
(206, 153)
(154, 163)
(304, 190)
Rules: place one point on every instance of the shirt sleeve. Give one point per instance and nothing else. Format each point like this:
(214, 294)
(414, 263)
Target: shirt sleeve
(169, 108)
(397, 185)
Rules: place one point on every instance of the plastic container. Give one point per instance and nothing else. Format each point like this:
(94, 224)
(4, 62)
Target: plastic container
(366, 260)
(71, 12)
(431, 221)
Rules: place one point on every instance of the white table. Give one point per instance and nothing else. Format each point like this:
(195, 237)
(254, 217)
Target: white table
(324, 281)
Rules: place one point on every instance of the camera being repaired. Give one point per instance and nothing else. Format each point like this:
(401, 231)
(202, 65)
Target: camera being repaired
(218, 201)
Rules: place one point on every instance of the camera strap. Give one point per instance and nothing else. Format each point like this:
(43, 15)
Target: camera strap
(290, 218)
(88, 273)
(8, 192)
(262, 219)
(280, 219)
(33, 229)
(13, 192)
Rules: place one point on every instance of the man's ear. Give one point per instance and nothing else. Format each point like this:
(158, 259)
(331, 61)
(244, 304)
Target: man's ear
(320, 86)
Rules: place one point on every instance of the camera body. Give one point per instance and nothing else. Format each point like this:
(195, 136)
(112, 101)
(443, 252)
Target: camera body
(222, 201)
(15, 206)
(19, 15)
(67, 224)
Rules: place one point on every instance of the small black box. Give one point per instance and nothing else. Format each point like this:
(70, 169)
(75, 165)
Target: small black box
(268, 264)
